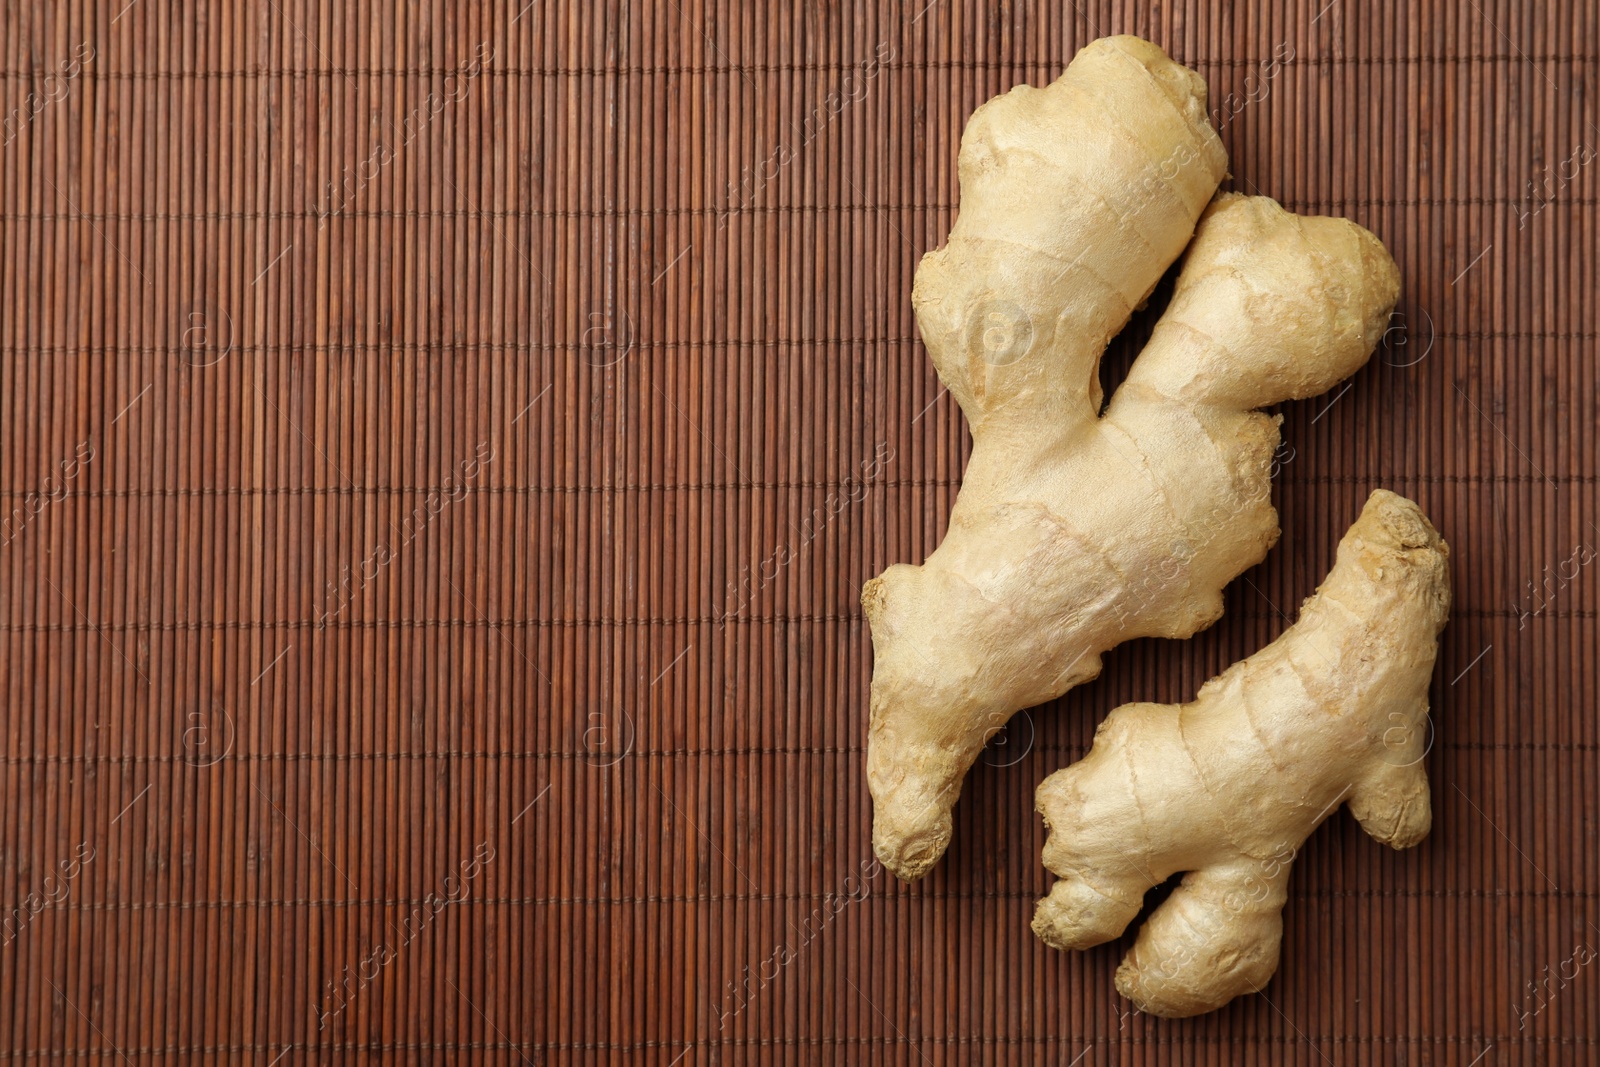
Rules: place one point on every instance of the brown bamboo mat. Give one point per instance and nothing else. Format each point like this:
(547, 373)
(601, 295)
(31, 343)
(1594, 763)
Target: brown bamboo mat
(441, 447)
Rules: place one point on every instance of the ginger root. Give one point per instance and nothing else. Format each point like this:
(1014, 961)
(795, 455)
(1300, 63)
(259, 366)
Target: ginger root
(1075, 531)
(1229, 786)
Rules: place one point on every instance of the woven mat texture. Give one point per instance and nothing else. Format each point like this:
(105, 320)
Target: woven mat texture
(441, 447)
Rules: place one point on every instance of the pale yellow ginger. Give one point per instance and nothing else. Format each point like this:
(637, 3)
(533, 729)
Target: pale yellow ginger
(1229, 786)
(1077, 530)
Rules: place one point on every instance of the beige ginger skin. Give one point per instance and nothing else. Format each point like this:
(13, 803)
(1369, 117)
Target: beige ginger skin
(1075, 530)
(1228, 786)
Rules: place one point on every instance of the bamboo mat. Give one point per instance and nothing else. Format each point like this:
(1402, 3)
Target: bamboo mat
(442, 445)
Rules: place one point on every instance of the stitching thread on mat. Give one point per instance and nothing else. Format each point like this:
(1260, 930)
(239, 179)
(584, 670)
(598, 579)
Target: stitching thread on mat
(1042, 63)
(486, 490)
(102, 628)
(705, 487)
(84, 759)
(747, 207)
(767, 898)
(440, 347)
(433, 348)
(1472, 1041)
